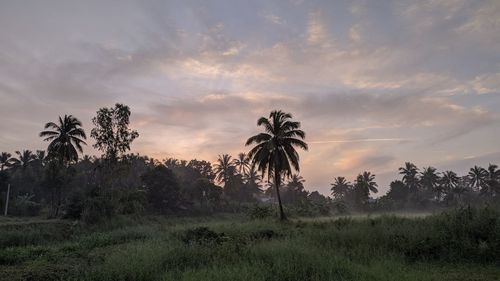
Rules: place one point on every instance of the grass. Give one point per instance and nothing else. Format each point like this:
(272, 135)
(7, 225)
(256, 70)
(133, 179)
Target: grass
(460, 245)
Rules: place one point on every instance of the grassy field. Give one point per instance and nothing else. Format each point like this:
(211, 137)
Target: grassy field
(461, 245)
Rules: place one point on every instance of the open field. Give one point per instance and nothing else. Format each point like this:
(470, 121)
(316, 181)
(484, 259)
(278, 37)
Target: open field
(462, 245)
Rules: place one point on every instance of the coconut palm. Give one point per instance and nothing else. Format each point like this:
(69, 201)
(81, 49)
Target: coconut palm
(5, 160)
(363, 185)
(224, 168)
(274, 152)
(242, 163)
(493, 180)
(252, 176)
(366, 181)
(340, 187)
(410, 176)
(24, 158)
(478, 176)
(66, 138)
(449, 180)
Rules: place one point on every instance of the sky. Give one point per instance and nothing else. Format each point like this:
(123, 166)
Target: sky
(374, 83)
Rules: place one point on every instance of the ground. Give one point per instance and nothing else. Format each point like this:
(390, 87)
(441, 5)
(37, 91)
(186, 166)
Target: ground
(233, 247)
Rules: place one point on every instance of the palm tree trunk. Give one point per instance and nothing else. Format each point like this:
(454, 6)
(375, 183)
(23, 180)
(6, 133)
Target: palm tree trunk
(277, 183)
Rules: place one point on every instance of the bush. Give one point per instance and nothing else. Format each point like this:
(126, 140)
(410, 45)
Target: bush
(261, 212)
(203, 236)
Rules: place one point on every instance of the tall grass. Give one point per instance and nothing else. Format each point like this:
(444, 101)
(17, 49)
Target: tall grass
(460, 245)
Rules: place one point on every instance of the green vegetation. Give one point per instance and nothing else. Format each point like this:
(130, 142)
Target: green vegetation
(460, 245)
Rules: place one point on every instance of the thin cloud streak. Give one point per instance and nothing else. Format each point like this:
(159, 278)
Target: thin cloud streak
(361, 140)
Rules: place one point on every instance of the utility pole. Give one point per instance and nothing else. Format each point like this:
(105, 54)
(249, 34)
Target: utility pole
(7, 200)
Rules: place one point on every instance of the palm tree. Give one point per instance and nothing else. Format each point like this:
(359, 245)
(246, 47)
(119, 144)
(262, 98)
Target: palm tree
(429, 180)
(449, 181)
(493, 180)
(24, 159)
(340, 187)
(274, 152)
(410, 176)
(363, 185)
(242, 163)
(252, 176)
(224, 168)
(5, 160)
(66, 138)
(478, 177)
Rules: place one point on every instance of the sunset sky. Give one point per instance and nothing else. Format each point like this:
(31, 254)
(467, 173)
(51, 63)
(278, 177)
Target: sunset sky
(374, 83)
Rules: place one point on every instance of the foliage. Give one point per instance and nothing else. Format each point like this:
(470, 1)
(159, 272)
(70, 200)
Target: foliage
(111, 133)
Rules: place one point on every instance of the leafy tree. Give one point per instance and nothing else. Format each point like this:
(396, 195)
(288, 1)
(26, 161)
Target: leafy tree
(398, 192)
(66, 138)
(111, 131)
(162, 188)
(275, 152)
(340, 188)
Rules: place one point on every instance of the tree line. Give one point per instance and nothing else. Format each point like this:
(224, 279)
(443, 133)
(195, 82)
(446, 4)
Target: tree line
(60, 182)
(419, 189)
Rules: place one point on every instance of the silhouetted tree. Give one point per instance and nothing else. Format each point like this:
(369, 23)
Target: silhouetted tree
(275, 152)
(340, 188)
(66, 138)
(224, 168)
(5, 160)
(111, 131)
(478, 177)
(24, 158)
(364, 184)
(162, 188)
(410, 176)
(242, 163)
(493, 180)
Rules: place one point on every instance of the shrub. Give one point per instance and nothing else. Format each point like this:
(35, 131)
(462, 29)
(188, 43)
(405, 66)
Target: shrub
(261, 212)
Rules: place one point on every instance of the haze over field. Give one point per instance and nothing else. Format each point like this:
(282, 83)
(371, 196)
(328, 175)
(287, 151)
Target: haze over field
(374, 83)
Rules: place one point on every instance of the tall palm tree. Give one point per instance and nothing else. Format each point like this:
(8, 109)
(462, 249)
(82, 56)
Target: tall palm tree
(410, 176)
(66, 138)
(5, 160)
(429, 178)
(274, 152)
(366, 182)
(478, 176)
(340, 187)
(449, 181)
(24, 158)
(224, 168)
(242, 163)
(493, 180)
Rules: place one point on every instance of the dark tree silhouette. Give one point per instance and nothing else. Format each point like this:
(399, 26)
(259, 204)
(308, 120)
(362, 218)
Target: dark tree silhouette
(24, 158)
(410, 176)
(275, 152)
(66, 139)
(224, 168)
(340, 187)
(111, 132)
(493, 180)
(478, 177)
(364, 184)
(5, 160)
(242, 163)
